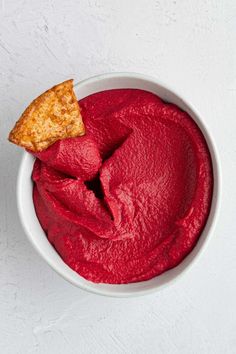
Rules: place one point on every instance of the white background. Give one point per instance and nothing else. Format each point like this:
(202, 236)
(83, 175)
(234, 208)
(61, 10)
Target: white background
(191, 46)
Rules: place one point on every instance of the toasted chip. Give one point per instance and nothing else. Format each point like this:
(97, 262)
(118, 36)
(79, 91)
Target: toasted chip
(53, 116)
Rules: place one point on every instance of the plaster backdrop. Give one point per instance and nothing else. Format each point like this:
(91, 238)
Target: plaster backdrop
(189, 45)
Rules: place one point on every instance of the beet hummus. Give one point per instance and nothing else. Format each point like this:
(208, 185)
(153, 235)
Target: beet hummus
(128, 200)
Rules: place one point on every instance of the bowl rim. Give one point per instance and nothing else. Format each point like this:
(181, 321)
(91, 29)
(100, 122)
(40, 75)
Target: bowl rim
(214, 214)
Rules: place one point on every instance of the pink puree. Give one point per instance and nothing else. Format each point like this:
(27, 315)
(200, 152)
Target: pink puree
(130, 199)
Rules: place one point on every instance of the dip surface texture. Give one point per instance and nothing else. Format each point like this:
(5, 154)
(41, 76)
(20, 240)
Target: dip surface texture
(130, 199)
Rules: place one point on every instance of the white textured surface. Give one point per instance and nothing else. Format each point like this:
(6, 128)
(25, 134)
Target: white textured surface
(190, 45)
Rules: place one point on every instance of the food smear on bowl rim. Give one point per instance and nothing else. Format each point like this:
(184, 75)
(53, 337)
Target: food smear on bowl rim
(130, 199)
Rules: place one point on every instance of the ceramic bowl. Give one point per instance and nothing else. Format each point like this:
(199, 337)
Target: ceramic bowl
(36, 234)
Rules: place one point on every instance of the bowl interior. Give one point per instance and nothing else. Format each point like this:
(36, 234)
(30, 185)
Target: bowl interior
(37, 236)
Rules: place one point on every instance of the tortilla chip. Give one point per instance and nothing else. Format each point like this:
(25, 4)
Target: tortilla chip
(53, 116)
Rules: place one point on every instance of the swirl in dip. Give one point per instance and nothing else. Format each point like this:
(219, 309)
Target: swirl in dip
(128, 200)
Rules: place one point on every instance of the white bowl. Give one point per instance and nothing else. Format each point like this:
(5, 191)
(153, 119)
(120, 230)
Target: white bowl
(36, 234)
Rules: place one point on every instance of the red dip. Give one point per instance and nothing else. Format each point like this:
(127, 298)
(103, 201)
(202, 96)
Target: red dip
(128, 200)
